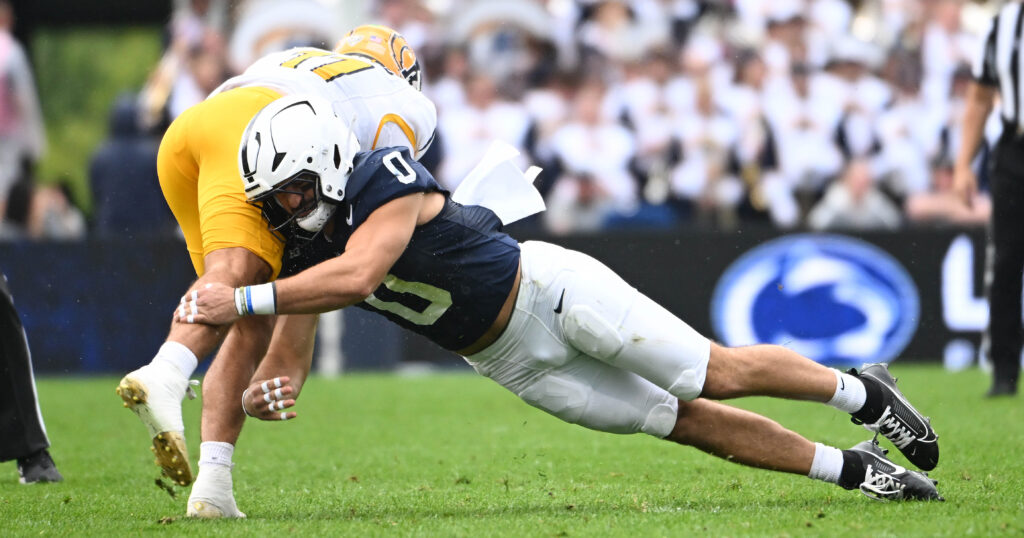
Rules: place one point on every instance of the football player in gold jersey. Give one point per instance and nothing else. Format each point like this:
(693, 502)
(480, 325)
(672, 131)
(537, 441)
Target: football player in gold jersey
(230, 243)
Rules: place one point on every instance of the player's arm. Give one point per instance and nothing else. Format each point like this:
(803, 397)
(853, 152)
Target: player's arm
(285, 367)
(977, 107)
(336, 283)
(981, 95)
(348, 279)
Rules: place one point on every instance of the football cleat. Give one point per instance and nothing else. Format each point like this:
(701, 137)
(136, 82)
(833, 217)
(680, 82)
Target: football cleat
(900, 423)
(154, 392)
(212, 495)
(886, 481)
(37, 468)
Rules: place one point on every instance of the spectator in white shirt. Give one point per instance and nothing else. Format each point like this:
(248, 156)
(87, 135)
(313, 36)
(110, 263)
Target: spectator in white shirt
(595, 153)
(945, 46)
(702, 182)
(804, 115)
(468, 131)
(854, 203)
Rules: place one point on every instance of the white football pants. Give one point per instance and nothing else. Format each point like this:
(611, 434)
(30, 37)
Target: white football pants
(587, 347)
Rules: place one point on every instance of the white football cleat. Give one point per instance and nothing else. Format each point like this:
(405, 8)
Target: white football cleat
(212, 495)
(154, 392)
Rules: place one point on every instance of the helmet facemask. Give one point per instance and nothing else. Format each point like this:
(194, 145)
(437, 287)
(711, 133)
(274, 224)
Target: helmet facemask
(307, 219)
(297, 146)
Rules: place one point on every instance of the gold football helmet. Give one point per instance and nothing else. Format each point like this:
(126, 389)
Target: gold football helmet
(383, 46)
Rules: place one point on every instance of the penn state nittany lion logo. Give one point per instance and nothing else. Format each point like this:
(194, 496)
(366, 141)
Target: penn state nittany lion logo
(835, 299)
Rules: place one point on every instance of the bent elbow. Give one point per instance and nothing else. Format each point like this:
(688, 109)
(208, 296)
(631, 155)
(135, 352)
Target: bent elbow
(364, 287)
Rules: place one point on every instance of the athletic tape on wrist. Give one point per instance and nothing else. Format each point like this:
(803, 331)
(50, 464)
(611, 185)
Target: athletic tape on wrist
(239, 302)
(260, 299)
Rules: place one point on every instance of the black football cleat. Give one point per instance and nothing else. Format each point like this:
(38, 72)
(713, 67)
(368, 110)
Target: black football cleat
(886, 481)
(1002, 387)
(38, 467)
(900, 423)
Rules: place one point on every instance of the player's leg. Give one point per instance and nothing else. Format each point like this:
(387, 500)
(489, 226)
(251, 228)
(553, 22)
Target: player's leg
(288, 353)
(607, 318)
(582, 390)
(22, 432)
(155, 391)
(228, 242)
(750, 439)
(222, 418)
(1005, 289)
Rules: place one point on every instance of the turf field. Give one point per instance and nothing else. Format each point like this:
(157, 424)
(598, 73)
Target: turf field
(457, 455)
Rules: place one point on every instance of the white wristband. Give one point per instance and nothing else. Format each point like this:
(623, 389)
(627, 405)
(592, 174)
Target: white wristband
(244, 410)
(259, 300)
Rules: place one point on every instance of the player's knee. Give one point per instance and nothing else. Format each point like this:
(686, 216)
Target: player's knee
(591, 333)
(661, 420)
(688, 385)
(561, 398)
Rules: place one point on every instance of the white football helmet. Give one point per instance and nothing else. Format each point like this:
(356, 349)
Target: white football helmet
(297, 140)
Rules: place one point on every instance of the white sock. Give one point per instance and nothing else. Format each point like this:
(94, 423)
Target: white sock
(216, 453)
(178, 355)
(850, 393)
(827, 464)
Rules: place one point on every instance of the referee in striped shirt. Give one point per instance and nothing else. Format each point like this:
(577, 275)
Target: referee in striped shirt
(997, 72)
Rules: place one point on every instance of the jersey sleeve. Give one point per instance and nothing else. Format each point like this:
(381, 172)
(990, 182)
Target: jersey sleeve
(381, 176)
(984, 68)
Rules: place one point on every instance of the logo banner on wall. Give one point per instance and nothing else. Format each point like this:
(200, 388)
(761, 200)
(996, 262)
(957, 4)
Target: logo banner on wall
(833, 298)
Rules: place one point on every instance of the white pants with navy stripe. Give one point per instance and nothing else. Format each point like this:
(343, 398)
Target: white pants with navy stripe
(587, 347)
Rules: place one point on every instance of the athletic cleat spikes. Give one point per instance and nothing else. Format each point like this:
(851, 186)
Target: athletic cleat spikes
(900, 423)
(154, 393)
(886, 481)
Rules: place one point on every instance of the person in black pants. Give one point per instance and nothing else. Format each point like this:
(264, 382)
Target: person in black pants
(22, 433)
(997, 73)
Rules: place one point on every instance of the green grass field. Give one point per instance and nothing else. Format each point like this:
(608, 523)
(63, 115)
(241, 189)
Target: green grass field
(457, 455)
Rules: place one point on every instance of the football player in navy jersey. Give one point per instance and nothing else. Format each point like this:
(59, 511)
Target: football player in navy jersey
(554, 326)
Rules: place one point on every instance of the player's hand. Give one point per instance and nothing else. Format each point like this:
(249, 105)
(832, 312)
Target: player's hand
(213, 304)
(965, 184)
(267, 400)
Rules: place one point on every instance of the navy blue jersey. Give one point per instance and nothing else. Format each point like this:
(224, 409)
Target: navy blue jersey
(454, 275)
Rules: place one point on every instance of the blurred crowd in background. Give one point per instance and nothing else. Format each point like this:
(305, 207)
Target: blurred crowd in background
(654, 114)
